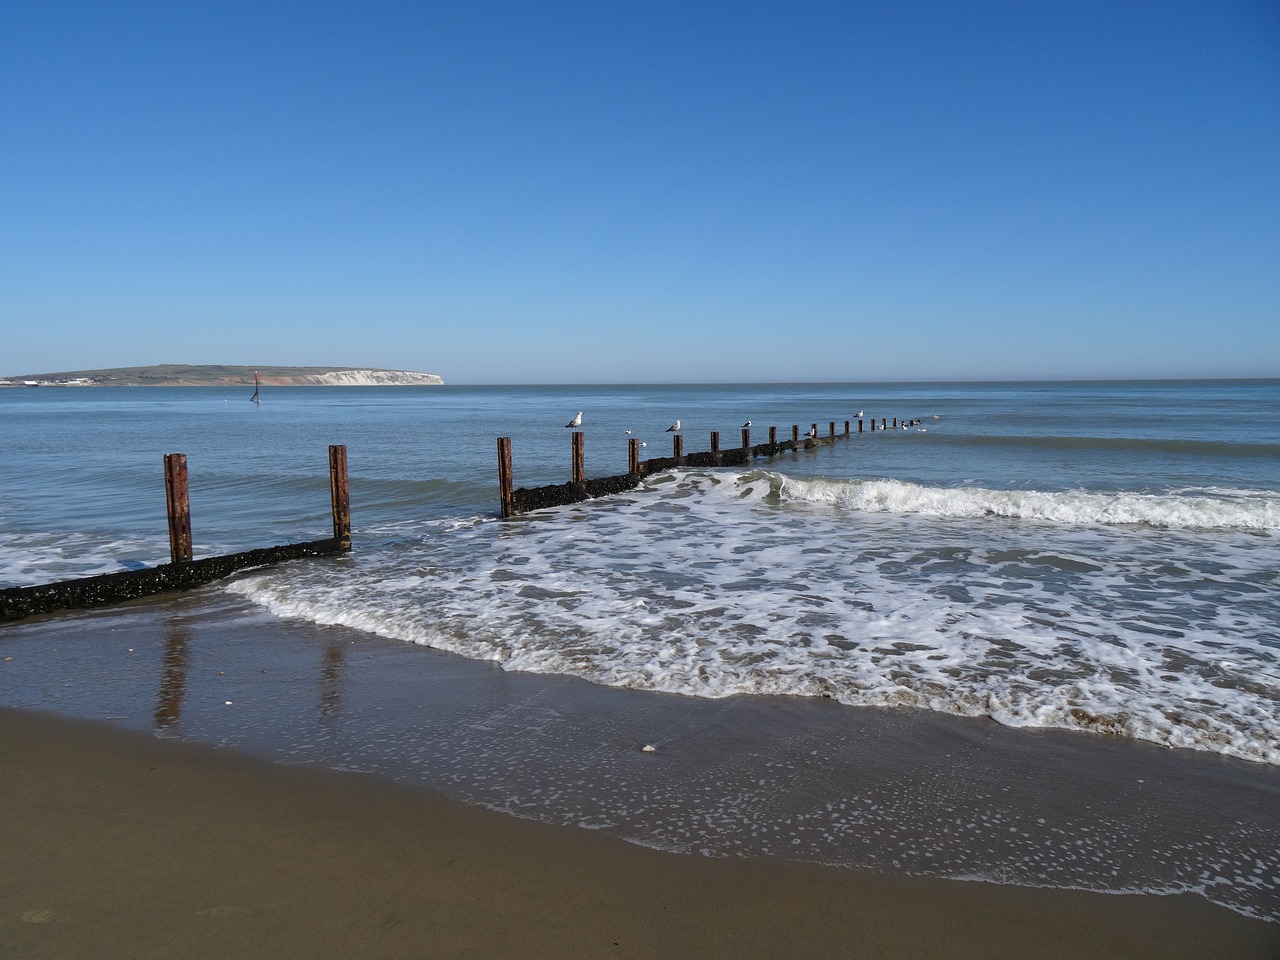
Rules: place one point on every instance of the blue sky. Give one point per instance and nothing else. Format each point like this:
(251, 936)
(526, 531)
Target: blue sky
(644, 191)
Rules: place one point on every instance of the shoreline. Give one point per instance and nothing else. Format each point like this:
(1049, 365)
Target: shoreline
(941, 823)
(121, 844)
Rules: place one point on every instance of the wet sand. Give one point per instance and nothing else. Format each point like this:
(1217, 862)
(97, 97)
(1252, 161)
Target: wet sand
(117, 844)
(194, 810)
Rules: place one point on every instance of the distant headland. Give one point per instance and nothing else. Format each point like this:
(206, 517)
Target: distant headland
(218, 375)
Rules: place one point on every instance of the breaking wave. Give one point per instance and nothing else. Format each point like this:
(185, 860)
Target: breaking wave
(1198, 509)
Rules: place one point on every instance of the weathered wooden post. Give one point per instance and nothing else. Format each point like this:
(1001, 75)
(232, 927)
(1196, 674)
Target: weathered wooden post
(633, 455)
(873, 424)
(340, 494)
(773, 436)
(883, 424)
(746, 438)
(846, 428)
(579, 458)
(504, 476)
(795, 432)
(175, 489)
(832, 429)
(859, 424)
(895, 423)
(677, 446)
(715, 441)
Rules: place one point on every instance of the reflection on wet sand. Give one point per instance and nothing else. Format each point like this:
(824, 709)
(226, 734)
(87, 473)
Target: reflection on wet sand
(173, 681)
(331, 681)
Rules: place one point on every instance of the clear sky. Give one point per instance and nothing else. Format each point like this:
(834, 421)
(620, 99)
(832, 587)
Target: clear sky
(644, 191)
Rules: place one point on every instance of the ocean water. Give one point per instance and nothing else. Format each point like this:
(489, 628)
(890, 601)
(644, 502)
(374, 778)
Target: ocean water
(1097, 556)
(1097, 559)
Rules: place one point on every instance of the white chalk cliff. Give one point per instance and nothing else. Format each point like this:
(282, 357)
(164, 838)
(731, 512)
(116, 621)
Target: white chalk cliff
(373, 378)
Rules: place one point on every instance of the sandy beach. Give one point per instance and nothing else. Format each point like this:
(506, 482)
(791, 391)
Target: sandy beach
(119, 845)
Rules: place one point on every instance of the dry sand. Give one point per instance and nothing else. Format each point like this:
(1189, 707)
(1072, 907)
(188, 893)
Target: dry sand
(114, 844)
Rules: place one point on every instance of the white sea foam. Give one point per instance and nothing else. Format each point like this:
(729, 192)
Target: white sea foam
(28, 558)
(1202, 509)
(712, 585)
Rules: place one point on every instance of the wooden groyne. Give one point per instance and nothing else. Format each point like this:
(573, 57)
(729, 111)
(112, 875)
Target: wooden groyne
(521, 500)
(182, 571)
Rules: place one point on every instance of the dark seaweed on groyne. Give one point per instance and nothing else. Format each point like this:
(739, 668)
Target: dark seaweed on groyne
(183, 571)
(515, 501)
(107, 588)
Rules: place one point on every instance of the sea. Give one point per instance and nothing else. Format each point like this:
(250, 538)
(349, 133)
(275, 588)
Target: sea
(1030, 634)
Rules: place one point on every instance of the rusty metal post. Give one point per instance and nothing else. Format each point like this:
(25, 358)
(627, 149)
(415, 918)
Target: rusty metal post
(773, 436)
(633, 455)
(340, 494)
(504, 475)
(715, 441)
(746, 438)
(579, 458)
(179, 502)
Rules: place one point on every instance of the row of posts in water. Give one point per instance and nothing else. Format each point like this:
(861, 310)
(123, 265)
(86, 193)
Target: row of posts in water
(178, 500)
(521, 500)
(183, 570)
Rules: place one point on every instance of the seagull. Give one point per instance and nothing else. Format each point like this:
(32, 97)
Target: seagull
(859, 414)
(627, 432)
(747, 424)
(674, 428)
(575, 422)
(813, 430)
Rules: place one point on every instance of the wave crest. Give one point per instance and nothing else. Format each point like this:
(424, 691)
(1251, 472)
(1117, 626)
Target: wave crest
(1183, 510)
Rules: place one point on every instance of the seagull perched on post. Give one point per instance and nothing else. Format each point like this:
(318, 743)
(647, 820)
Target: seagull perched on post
(747, 424)
(674, 428)
(859, 414)
(575, 422)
